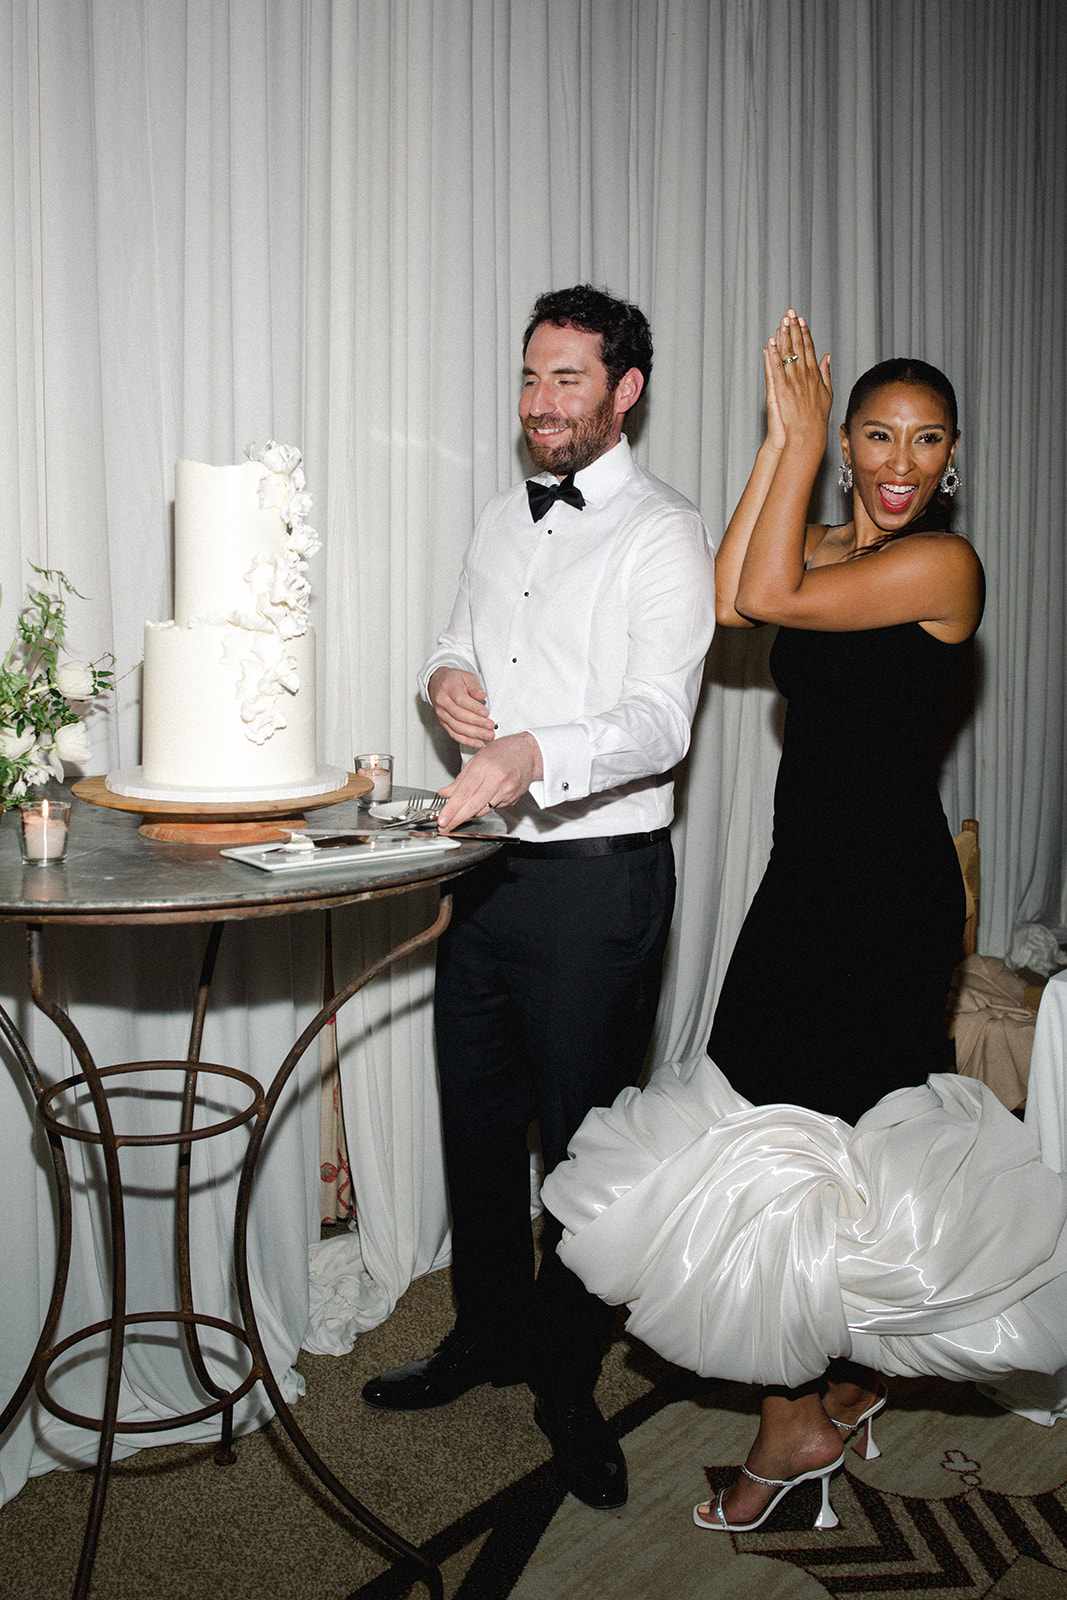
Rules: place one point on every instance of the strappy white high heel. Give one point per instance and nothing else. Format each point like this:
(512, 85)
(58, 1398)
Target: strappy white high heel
(870, 1451)
(826, 1518)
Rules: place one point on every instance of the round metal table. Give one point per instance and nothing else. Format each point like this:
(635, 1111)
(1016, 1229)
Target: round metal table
(111, 875)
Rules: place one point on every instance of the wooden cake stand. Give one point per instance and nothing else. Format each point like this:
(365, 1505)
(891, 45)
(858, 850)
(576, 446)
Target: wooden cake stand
(227, 822)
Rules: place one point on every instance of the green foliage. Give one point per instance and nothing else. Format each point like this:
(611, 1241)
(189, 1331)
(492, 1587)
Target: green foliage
(33, 706)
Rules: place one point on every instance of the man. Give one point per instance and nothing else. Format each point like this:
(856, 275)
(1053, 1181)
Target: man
(571, 666)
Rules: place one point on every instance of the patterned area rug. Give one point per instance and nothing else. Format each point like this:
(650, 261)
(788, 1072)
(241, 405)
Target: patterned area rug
(966, 1501)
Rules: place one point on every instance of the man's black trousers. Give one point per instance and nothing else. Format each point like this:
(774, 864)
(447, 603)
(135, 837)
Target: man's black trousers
(547, 985)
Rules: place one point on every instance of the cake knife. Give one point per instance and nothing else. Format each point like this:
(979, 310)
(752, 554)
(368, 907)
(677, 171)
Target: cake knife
(328, 843)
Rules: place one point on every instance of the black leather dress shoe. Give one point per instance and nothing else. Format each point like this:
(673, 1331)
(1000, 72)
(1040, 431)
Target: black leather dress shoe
(585, 1453)
(458, 1364)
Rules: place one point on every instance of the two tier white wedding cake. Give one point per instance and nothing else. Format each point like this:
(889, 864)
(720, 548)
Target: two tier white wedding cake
(228, 694)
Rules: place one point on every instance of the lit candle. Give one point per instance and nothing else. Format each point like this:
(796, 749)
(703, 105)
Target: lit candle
(379, 769)
(43, 832)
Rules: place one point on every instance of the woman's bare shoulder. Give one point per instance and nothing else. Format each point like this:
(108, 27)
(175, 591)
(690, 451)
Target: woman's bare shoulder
(950, 565)
(951, 535)
(941, 544)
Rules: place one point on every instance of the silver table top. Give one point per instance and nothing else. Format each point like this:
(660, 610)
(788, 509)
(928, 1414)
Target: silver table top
(111, 874)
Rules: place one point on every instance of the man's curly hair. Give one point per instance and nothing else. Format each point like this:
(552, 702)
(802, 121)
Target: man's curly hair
(625, 334)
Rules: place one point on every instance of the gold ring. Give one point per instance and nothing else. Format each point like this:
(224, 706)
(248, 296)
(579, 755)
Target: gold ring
(787, 359)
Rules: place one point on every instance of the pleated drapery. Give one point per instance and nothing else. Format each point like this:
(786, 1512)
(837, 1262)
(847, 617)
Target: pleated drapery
(326, 222)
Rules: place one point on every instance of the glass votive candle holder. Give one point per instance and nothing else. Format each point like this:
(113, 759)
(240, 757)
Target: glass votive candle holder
(43, 829)
(379, 769)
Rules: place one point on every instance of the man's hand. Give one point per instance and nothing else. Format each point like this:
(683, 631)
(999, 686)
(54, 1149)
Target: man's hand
(459, 701)
(496, 776)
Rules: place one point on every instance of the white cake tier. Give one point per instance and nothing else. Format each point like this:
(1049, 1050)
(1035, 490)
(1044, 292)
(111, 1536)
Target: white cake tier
(219, 530)
(192, 732)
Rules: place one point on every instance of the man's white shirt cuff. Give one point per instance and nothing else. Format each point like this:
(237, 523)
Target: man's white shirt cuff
(567, 763)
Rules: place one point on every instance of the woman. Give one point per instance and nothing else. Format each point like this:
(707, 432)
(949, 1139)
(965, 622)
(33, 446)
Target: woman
(751, 1231)
(863, 886)
(863, 880)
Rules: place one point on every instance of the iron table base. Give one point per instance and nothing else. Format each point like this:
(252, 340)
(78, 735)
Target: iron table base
(256, 1115)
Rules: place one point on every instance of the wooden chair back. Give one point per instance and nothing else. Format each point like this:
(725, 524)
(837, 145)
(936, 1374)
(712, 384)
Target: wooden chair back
(966, 842)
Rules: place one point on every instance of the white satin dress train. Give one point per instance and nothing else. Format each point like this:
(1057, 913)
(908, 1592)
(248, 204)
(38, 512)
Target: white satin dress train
(754, 1242)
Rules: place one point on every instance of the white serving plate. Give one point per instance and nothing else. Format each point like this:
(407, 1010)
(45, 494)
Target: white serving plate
(269, 858)
(390, 810)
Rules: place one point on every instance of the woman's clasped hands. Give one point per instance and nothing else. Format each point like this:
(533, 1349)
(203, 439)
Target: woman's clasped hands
(799, 390)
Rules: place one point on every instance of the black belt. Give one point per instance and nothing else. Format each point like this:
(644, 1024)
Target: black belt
(561, 849)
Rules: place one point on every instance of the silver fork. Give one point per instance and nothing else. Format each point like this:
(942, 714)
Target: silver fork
(425, 813)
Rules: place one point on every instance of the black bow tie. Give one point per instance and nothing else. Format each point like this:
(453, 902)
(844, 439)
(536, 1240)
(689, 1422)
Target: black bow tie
(543, 498)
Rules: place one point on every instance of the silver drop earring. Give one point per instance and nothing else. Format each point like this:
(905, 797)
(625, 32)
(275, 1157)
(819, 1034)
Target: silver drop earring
(950, 480)
(844, 476)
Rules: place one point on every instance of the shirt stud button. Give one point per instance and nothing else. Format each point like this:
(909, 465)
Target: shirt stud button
(526, 594)
(564, 787)
(514, 659)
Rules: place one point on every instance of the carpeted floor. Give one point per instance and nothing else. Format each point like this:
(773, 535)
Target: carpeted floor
(965, 1502)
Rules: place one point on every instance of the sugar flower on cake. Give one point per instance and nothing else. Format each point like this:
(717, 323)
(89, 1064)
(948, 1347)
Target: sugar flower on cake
(279, 592)
(283, 459)
(282, 488)
(303, 541)
(266, 673)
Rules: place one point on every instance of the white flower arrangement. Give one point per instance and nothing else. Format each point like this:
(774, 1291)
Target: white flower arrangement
(39, 727)
(280, 593)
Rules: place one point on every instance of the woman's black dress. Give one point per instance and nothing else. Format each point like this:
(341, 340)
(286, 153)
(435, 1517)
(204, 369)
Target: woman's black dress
(836, 990)
(751, 1241)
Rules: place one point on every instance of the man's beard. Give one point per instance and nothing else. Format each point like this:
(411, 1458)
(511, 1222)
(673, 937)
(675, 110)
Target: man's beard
(590, 436)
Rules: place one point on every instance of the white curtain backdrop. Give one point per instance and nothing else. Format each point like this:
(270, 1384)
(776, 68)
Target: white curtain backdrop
(326, 222)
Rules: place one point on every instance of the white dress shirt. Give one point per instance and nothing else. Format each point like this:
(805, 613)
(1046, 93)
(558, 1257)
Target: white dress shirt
(589, 629)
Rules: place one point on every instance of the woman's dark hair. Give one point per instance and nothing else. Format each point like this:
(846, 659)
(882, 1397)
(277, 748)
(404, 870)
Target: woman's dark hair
(904, 369)
(624, 330)
(909, 369)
